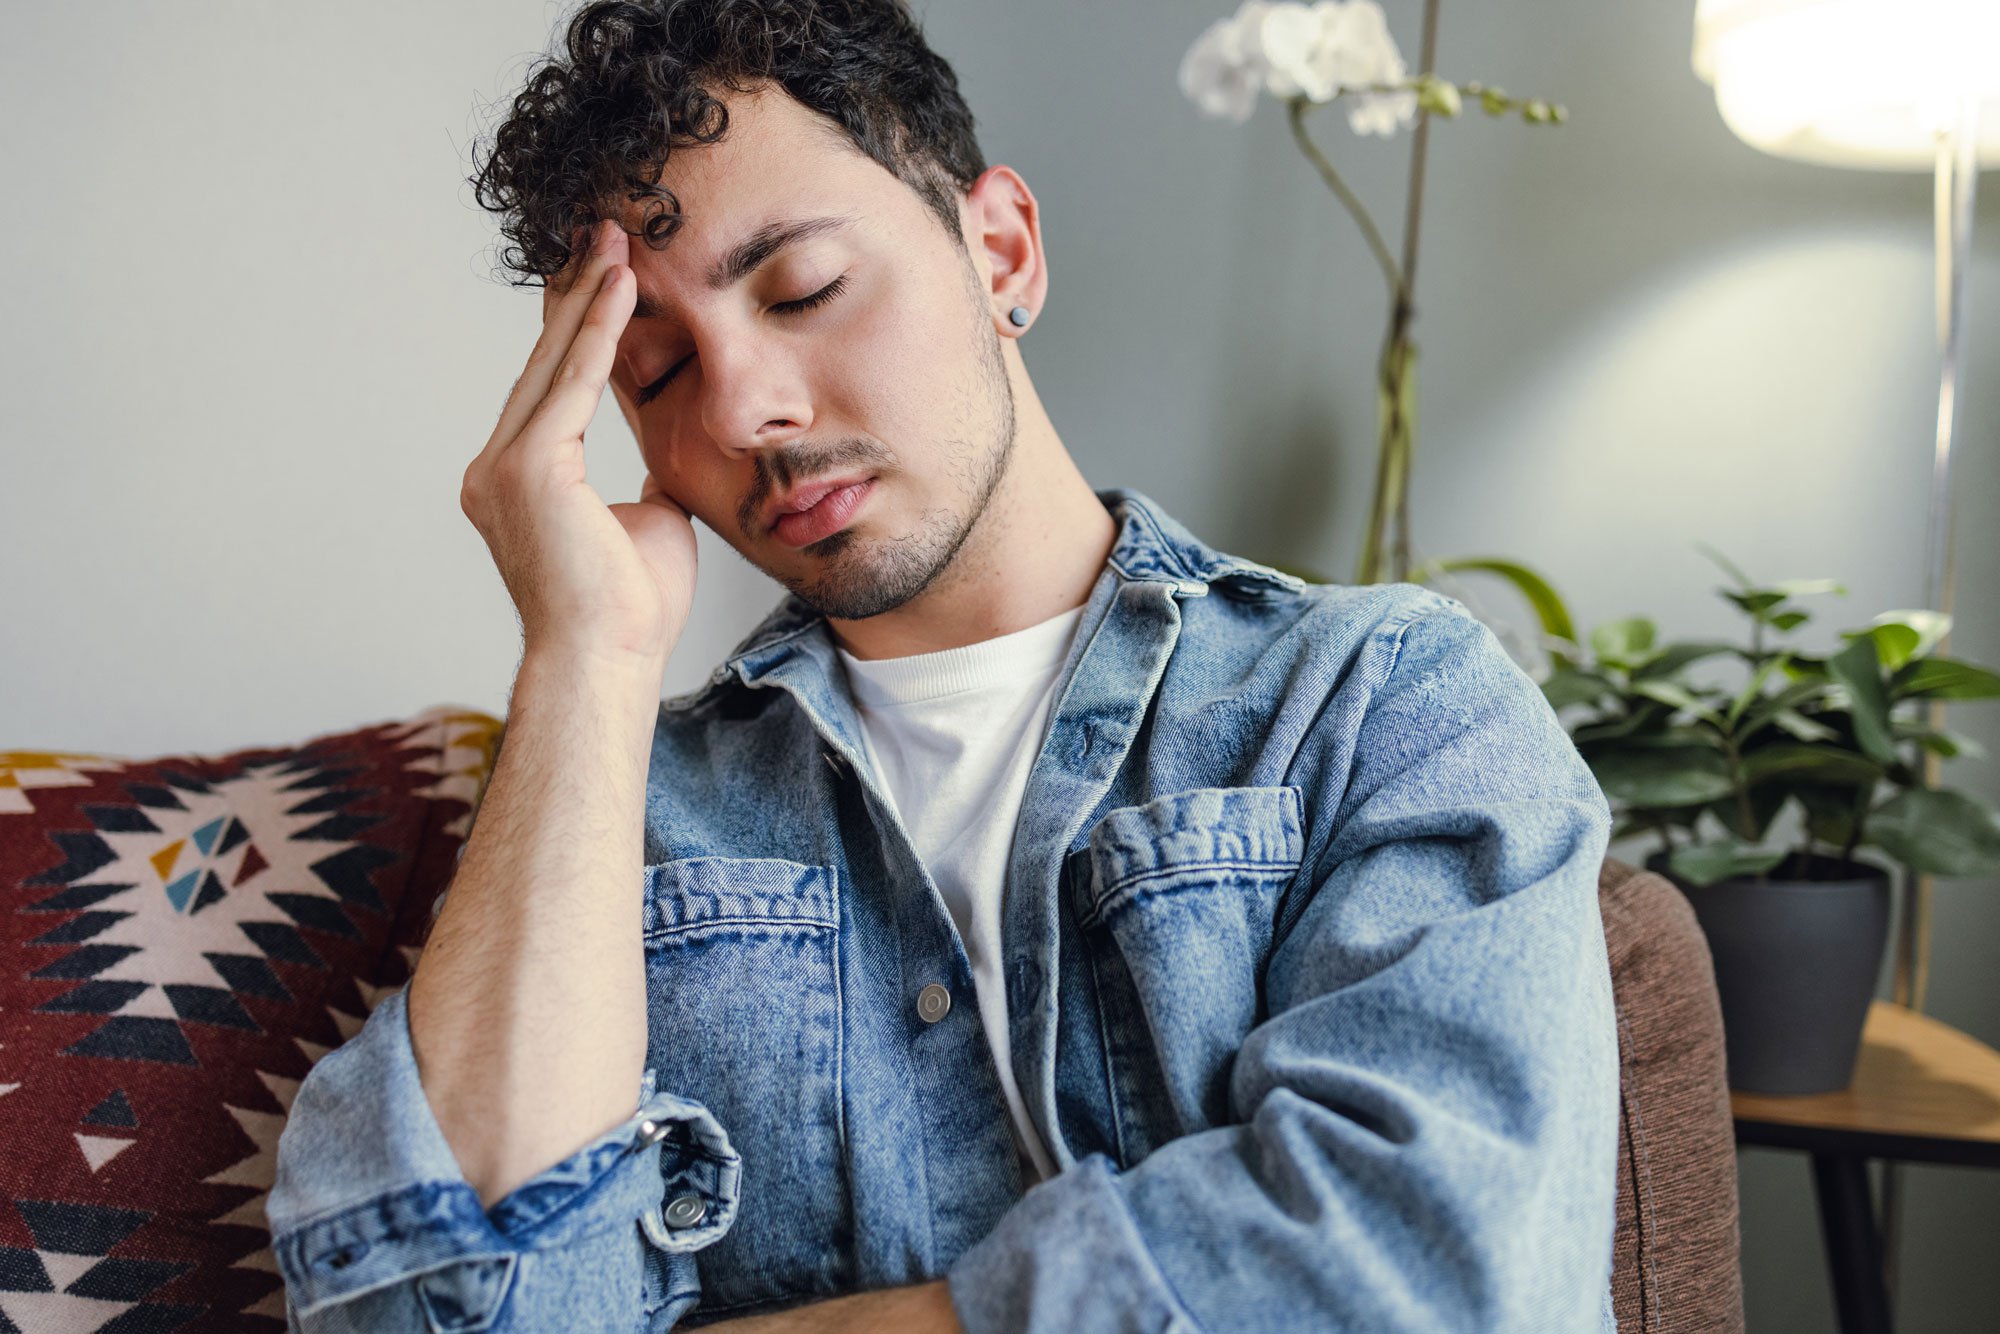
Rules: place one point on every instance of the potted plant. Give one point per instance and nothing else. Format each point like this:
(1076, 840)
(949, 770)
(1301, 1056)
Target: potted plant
(1796, 929)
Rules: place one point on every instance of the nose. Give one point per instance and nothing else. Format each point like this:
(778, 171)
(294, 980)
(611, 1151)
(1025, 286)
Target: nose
(754, 399)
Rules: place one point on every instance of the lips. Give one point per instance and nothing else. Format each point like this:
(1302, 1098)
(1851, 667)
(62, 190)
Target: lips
(833, 512)
(807, 496)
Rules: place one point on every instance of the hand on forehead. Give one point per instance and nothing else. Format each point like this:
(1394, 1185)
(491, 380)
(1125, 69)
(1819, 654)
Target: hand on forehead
(587, 261)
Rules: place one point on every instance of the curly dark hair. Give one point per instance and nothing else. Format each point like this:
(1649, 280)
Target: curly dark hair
(594, 123)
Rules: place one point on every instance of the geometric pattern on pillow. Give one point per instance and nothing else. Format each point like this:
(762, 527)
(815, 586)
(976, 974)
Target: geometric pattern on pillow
(180, 939)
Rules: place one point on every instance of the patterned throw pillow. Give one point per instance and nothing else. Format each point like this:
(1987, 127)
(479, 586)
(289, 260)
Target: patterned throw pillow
(180, 939)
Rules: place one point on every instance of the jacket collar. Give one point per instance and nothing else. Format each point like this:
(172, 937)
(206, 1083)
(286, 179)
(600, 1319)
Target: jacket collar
(1151, 547)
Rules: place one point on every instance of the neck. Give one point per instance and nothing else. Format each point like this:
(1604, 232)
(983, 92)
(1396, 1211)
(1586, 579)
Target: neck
(1034, 553)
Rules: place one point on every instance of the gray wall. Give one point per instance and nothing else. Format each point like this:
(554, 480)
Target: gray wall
(253, 340)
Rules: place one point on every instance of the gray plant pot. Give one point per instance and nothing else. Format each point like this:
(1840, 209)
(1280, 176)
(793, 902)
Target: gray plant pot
(1796, 961)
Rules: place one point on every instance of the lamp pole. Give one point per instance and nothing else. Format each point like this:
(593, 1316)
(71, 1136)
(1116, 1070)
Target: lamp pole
(1957, 181)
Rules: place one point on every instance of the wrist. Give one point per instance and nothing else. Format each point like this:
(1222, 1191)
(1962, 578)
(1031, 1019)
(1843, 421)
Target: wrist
(616, 694)
(611, 668)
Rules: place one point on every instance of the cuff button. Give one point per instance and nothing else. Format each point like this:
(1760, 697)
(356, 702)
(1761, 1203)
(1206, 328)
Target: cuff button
(652, 1132)
(685, 1210)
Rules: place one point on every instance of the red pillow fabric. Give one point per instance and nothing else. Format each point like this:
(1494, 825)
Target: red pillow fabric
(180, 939)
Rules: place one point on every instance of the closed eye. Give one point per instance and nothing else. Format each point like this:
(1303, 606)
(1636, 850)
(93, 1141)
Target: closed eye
(804, 303)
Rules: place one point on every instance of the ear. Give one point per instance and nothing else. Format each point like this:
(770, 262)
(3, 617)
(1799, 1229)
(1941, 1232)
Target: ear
(1004, 234)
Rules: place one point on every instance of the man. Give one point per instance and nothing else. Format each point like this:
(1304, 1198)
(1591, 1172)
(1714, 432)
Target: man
(1043, 920)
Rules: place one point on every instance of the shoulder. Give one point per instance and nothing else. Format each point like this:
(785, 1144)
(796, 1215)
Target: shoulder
(1323, 638)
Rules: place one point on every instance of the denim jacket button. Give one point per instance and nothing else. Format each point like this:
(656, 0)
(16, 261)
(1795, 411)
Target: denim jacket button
(685, 1210)
(650, 1132)
(933, 1003)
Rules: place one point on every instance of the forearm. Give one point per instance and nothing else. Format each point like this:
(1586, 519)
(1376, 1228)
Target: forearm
(923, 1309)
(527, 1009)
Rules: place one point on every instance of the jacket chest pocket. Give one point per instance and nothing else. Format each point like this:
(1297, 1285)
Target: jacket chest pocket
(743, 1015)
(1173, 899)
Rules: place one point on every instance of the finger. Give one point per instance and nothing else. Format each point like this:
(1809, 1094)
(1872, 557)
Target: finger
(563, 315)
(576, 384)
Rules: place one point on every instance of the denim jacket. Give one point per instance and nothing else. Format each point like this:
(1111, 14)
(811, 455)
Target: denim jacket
(1305, 978)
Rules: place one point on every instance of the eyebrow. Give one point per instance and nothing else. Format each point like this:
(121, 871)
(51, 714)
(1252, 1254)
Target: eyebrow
(749, 254)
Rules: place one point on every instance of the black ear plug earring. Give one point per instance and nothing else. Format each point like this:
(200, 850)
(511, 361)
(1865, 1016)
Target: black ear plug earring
(1019, 315)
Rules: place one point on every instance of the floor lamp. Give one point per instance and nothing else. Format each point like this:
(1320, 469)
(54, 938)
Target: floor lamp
(1897, 85)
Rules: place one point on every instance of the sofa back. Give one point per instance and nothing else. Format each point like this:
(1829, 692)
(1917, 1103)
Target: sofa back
(180, 939)
(1676, 1260)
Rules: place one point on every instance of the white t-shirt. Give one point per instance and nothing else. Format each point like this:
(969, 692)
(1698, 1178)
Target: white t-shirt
(952, 735)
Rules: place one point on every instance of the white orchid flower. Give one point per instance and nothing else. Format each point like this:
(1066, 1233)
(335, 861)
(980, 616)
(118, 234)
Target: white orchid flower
(1382, 113)
(1357, 51)
(1288, 49)
(1289, 35)
(1224, 69)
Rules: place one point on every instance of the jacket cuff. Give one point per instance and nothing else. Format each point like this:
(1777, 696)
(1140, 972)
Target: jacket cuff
(368, 1192)
(1067, 1256)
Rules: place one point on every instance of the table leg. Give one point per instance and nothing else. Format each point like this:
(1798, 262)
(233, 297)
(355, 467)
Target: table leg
(1853, 1246)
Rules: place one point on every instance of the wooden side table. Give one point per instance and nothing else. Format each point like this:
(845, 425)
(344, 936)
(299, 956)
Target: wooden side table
(1922, 1092)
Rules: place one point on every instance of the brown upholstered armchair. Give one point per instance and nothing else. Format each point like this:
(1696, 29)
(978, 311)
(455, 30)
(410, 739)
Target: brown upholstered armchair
(1676, 1256)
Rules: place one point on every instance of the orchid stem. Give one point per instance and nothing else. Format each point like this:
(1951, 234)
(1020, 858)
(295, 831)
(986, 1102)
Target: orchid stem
(1296, 109)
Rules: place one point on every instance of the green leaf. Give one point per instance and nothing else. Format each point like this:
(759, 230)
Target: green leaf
(1790, 620)
(1677, 736)
(1664, 776)
(1493, 101)
(1681, 698)
(1802, 727)
(1756, 601)
(1913, 633)
(1806, 667)
(1752, 689)
(1566, 686)
(1797, 588)
(1720, 858)
(1894, 642)
(1729, 567)
(1942, 831)
(1943, 678)
(1785, 701)
(1789, 759)
(1673, 657)
(1855, 667)
(1621, 643)
(1805, 687)
(1646, 714)
(1949, 745)
(1538, 592)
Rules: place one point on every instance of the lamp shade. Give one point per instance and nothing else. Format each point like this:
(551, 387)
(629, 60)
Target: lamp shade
(1853, 83)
